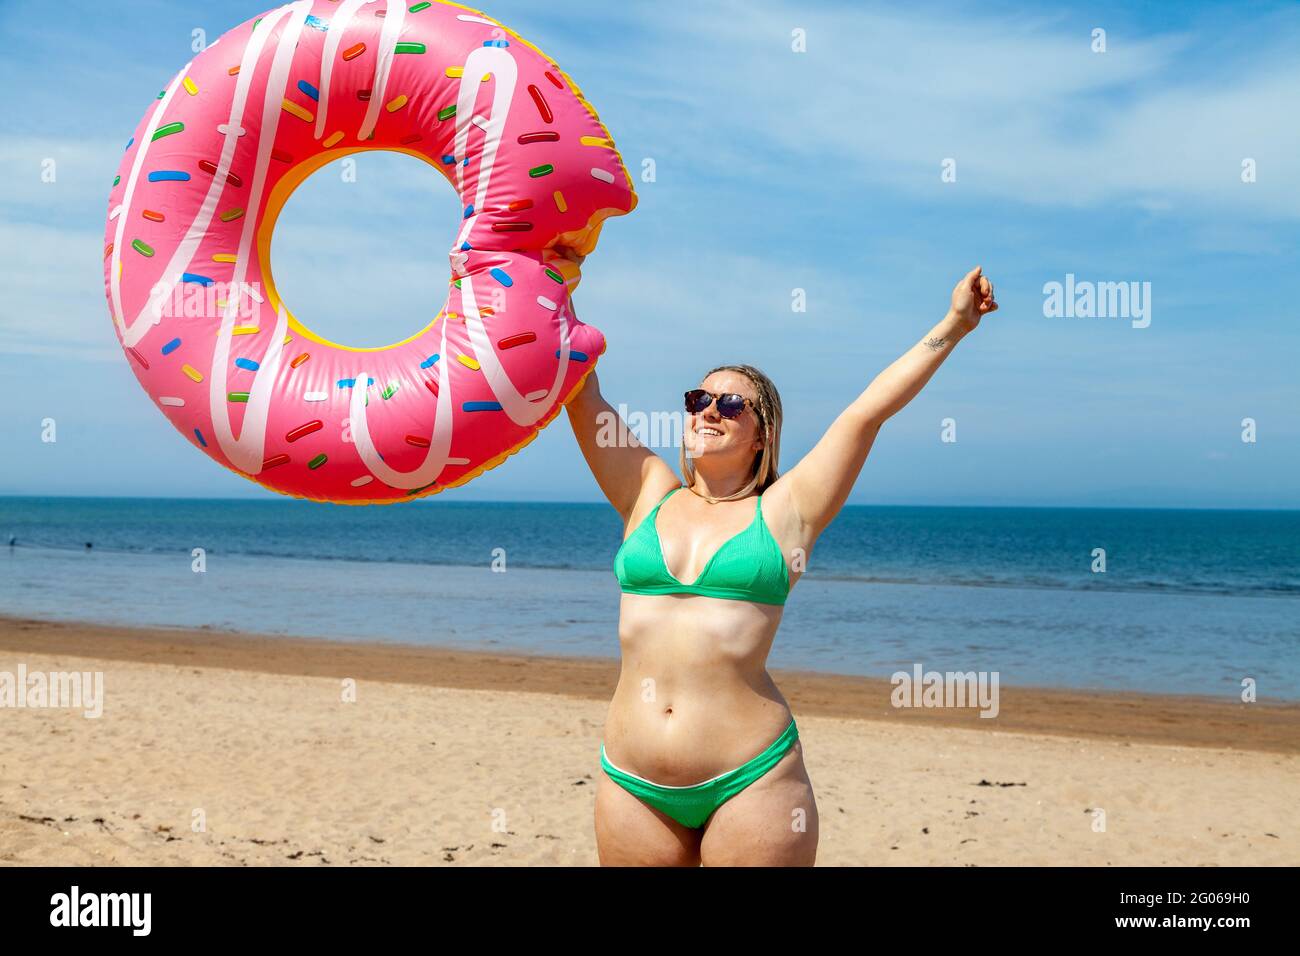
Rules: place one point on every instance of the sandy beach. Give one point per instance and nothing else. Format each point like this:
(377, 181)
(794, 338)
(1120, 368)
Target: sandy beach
(219, 748)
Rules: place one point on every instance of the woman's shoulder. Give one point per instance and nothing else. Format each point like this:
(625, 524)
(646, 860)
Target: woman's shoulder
(654, 492)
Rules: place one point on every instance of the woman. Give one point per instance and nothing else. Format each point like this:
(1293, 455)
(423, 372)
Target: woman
(701, 758)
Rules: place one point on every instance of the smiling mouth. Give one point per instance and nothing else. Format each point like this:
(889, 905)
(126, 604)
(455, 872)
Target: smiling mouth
(708, 432)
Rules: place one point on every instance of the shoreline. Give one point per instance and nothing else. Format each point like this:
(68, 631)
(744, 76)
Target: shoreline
(1128, 717)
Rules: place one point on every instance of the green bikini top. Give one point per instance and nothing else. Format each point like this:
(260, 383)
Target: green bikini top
(748, 567)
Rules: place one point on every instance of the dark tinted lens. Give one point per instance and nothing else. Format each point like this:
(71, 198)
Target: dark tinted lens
(730, 406)
(697, 400)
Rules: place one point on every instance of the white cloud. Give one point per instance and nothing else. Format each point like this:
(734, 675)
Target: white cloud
(1026, 109)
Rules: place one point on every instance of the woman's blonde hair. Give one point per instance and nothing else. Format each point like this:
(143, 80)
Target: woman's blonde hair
(768, 408)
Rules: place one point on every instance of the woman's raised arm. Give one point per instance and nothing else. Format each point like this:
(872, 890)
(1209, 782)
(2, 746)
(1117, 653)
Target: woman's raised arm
(621, 464)
(820, 483)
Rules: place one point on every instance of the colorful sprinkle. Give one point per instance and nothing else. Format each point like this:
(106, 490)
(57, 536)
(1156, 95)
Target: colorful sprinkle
(116, 180)
(275, 460)
(230, 215)
(455, 72)
(429, 361)
(309, 89)
(167, 130)
(241, 397)
(546, 136)
(169, 175)
(317, 23)
(108, 249)
(142, 248)
(247, 364)
(417, 441)
(171, 346)
(555, 275)
(520, 204)
(192, 372)
(468, 362)
(304, 430)
(511, 341)
(542, 170)
(546, 303)
(502, 276)
(171, 401)
(604, 175)
(281, 156)
(560, 204)
(293, 109)
(511, 226)
(199, 435)
(410, 48)
(137, 356)
(332, 139)
(315, 396)
(418, 7)
(447, 112)
(499, 43)
(574, 356)
(363, 480)
(152, 216)
(317, 461)
(190, 87)
(480, 406)
(596, 141)
(197, 279)
(554, 80)
(211, 169)
(224, 257)
(299, 360)
(540, 101)
(431, 385)
(234, 70)
(245, 330)
(396, 104)
(352, 52)
(389, 391)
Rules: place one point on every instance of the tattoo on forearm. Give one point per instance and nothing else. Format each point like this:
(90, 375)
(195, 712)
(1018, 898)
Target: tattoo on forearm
(935, 344)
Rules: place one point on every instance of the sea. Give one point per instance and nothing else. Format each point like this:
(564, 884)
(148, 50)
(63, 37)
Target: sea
(1148, 600)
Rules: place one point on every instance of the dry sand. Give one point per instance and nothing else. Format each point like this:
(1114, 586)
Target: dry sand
(459, 758)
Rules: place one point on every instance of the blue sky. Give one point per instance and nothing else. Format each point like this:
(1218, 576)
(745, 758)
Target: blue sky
(774, 170)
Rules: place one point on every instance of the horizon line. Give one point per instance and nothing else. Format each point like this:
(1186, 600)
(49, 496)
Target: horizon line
(534, 501)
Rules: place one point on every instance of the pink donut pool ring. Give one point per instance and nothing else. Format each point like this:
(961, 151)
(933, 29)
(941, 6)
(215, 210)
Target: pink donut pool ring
(187, 249)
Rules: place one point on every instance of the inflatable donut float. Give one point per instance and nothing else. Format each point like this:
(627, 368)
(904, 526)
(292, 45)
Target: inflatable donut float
(191, 213)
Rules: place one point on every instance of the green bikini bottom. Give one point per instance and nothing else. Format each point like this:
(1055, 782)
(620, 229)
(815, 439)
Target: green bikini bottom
(692, 806)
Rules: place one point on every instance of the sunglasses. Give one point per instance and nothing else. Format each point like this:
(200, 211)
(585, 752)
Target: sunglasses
(730, 405)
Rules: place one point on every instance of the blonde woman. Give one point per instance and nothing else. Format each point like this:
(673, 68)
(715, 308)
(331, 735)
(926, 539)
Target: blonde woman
(701, 759)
